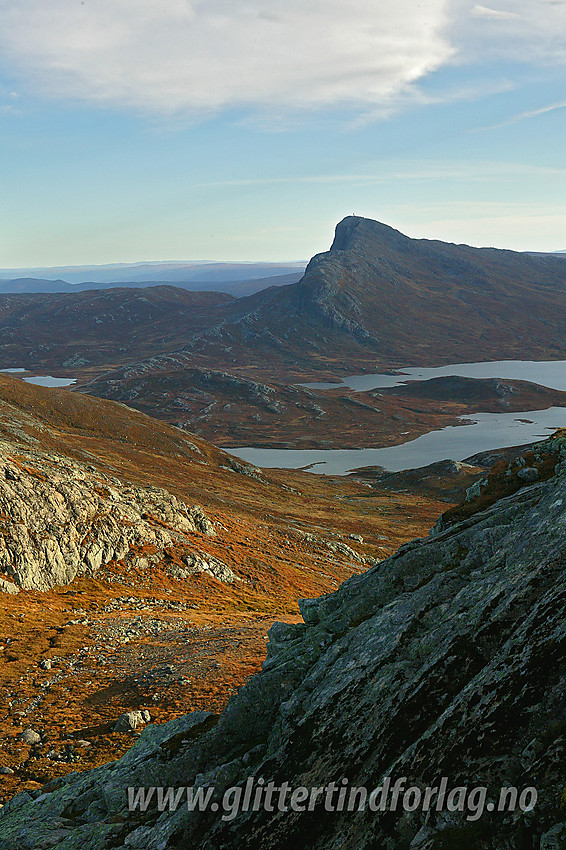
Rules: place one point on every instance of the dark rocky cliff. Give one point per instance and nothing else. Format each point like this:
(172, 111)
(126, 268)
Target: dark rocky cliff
(445, 660)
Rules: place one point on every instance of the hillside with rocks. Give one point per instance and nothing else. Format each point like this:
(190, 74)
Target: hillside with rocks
(377, 300)
(141, 568)
(231, 410)
(444, 660)
(88, 331)
(60, 520)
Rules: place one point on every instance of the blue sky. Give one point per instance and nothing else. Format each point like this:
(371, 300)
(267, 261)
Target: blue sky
(166, 129)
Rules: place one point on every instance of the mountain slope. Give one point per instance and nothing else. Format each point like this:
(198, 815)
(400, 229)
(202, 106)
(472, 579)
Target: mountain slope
(141, 567)
(446, 660)
(378, 299)
(97, 329)
(378, 296)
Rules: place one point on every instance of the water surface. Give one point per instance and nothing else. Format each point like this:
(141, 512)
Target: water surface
(50, 381)
(457, 442)
(42, 380)
(549, 373)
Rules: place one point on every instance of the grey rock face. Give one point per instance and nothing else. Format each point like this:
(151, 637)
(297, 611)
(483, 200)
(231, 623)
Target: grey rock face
(445, 660)
(555, 838)
(58, 520)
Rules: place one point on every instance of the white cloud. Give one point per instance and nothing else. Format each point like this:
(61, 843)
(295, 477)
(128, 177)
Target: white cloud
(522, 116)
(201, 56)
(268, 57)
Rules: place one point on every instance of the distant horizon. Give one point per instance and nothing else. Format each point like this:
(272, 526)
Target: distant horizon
(135, 263)
(179, 264)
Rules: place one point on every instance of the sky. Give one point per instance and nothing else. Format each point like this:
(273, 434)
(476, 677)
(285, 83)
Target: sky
(139, 130)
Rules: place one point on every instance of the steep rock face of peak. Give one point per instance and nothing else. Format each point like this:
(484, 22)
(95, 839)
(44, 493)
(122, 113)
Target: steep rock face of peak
(355, 232)
(445, 660)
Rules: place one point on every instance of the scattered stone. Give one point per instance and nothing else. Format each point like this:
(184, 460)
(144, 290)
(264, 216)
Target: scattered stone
(199, 563)
(338, 547)
(7, 771)
(528, 474)
(131, 720)
(357, 537)
(30, 736)
(46, 664)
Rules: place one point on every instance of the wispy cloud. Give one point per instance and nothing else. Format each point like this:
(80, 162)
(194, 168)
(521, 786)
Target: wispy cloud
(525, 31)
(493, 14)
(408, 171)
(523, 116)
(8, 101)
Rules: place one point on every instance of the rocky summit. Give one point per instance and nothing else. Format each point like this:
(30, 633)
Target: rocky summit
(444, 662)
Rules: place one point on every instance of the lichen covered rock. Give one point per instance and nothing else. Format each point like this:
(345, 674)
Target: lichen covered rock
(60, 519)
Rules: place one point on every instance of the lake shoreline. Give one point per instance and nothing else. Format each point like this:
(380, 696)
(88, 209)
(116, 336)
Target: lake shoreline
(484, 431)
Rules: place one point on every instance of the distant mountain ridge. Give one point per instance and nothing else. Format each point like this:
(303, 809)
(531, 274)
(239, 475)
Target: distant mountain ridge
(232, 287)
(142, 273)
(376, 300)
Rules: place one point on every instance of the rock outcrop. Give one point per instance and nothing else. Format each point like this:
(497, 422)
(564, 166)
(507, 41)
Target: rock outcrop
(60, 519)
(445, 660)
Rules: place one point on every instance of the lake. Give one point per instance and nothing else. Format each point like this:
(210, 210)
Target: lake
(484, 431)
(42, 380)
(549, 373)
(50, 381)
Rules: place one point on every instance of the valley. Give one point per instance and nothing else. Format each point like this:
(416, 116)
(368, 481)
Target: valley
(279, 536)
(175, 613)
(227, 367)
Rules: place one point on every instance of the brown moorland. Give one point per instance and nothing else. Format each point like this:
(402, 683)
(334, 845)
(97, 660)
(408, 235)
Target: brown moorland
(130, 636)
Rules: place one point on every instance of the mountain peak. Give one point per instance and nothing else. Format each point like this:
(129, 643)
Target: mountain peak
(354, 228)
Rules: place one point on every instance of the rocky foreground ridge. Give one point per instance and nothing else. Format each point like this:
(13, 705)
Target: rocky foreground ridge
(445, 660)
